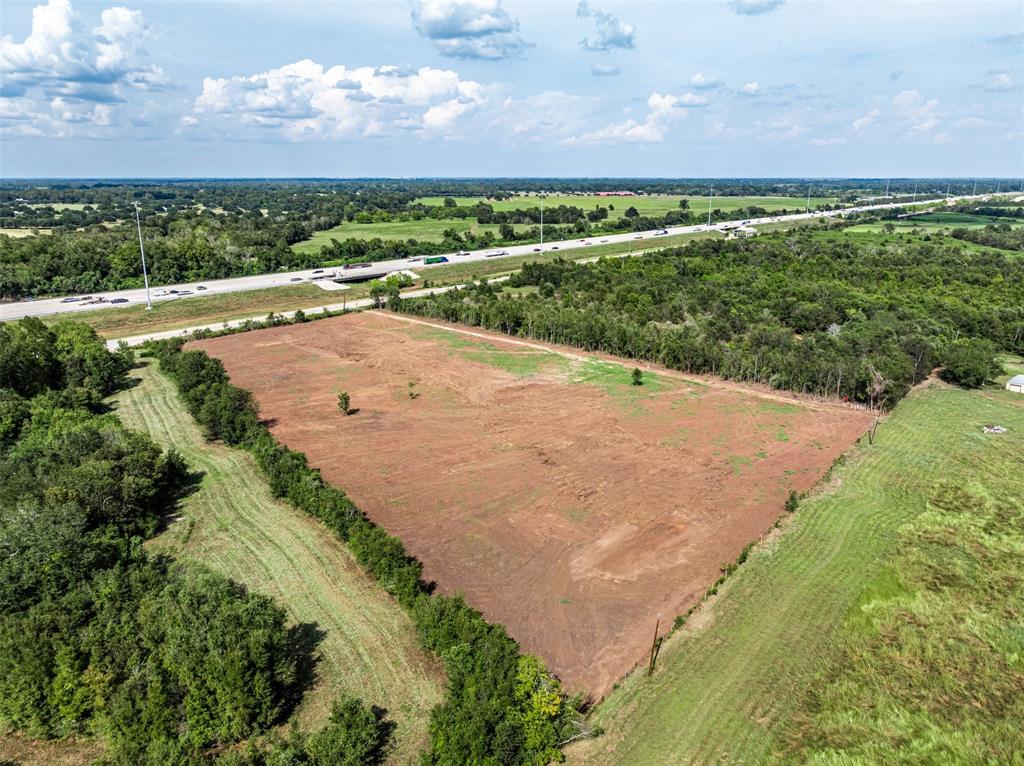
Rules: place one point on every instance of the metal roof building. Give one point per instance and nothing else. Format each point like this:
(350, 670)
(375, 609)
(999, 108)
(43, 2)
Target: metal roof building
(1016, 383)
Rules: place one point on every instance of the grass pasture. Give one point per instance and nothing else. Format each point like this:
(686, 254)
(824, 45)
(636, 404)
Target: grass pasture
(22, 232)
(431, 230)
(848, 599)
(936, 222)
(425, 230)
(233, 524)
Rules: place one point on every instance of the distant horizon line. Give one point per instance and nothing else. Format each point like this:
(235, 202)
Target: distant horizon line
(10, 179)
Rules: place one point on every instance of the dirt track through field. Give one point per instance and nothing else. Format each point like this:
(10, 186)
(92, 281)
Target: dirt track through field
(565, 503)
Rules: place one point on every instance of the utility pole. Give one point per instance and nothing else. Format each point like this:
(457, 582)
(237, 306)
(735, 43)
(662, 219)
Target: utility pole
(999, 184)
(710, 195)
(542, 221)
(654, 647)
(887, 180)
(914, 198)
(142, 252)
(975, 192)
(808, 210)
(947, 188)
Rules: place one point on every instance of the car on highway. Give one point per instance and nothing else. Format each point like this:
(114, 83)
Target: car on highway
(555, 247)
(356, 265)
(536, 249)
(462, 252)
(318, 271)
(603, 241)
(661, 233)
(200, 287)
(71, 300)
(119, 300)
(296, 279)
(639, 236)
(184, 292)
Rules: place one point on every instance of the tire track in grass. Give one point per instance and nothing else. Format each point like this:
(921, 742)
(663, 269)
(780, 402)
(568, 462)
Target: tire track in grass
(723, 691)
(369, 646)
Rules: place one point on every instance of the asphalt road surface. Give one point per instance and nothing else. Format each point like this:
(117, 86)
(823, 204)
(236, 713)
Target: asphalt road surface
(191, 290)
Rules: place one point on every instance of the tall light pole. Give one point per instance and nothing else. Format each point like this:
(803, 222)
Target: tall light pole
(975, 192)
(710, 195)
(808, 209)
(142, 252)
(542, 221)
(914, 198)
(887, 187)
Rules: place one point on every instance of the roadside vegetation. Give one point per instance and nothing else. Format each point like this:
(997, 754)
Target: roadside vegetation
(163, 661)
(854, 633)
(256, 304)
(232, 523)
(808, 311)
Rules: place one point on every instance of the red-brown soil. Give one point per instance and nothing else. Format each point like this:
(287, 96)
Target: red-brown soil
(565, 503)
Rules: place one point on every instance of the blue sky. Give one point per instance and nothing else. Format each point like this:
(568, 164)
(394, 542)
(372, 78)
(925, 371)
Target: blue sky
(497, 87)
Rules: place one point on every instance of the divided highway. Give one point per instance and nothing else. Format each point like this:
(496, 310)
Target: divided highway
(191, 290)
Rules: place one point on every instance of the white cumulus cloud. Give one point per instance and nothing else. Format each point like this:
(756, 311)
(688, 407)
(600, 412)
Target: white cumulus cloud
(60, 57)
(305, 101)
(754, 7)
(611, 33)
(751, 89)
(918, 112)
(863, 123)
(702, 81)
(1000, 81)
(663, 111)
(471, 29)
(62, 72)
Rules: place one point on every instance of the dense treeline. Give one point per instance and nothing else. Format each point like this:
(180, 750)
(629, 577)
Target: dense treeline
(501, 707)
(1003, 236)
(807, 311)
(160, 660)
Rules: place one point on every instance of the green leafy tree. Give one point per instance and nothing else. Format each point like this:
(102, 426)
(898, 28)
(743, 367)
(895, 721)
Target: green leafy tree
(344, 402)
(638, 376)
(970, 362)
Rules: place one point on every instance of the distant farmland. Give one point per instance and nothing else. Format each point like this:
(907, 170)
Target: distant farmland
(566, 503)
(647, 205)
(432, 230)
(425, 230)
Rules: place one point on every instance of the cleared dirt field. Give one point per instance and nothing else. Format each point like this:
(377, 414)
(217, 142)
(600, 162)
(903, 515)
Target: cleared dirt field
(564, 502)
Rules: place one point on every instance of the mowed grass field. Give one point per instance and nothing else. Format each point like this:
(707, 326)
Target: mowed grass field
(938, 222)
(730, 684)
(425, 230)
(204, 309)
(647, 205)
(233, 524)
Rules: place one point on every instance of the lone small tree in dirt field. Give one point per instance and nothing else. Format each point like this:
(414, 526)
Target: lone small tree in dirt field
(638, 376)
(344, 403)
